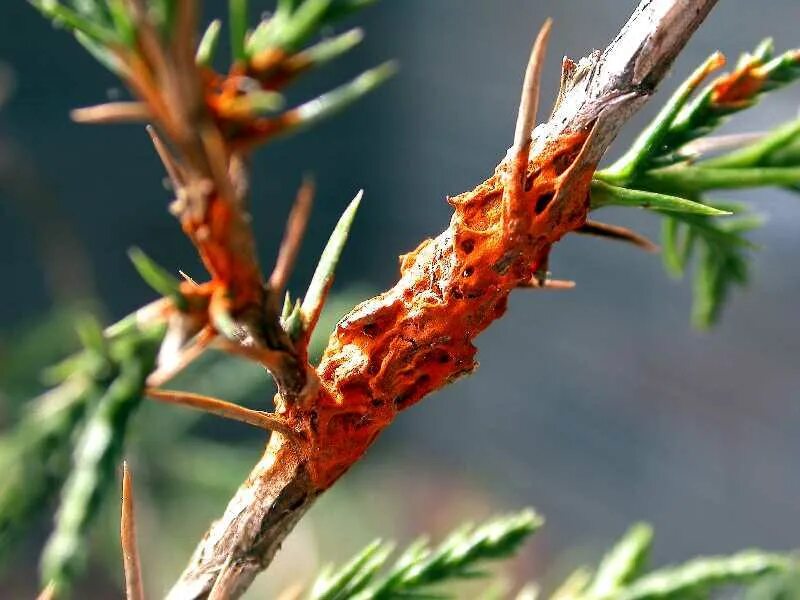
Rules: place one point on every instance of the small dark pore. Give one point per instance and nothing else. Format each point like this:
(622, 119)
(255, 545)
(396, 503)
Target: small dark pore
(542, 202)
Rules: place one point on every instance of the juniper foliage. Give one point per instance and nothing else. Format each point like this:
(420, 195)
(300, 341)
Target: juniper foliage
(425, 572)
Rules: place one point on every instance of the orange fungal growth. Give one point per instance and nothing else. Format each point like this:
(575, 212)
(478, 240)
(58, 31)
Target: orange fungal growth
(235, 275)
(393, 349)
(739, 87)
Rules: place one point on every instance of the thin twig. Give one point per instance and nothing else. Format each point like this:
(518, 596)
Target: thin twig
(718, 143)
(549, 284)
(187, 277)
(529, 103)
(292, 237)
(187, 356)
(127, 531)
(174, 170)
(48, 593)
(221, 408)
(112, 112)
(211, 185)
(293, 592)
(516, 212)
(616, 232)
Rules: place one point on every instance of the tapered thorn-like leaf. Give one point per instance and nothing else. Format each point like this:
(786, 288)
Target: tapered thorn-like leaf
(91, 335)
(112, 112)
(75, 21)
(293, 323)
(237, 22)
(220, 408)
(287, 306)
(332, 102)
(719, 248)
(123, 21)
(574, 585)
(615, 232)
(758, 152)
(293, 236)
(529, 102)
(48, 593)
(765, 49)
(157, 277)
(677, 246)
(604, 194)
(223, 321)
(700, 178)
(294, 29)
(101, 54)
(171, 165)
(344, 8)
(698, 577)
(323, 275)
(623, 563)
(207, 47)
(327, 50)
(130, 551)
(353, 576)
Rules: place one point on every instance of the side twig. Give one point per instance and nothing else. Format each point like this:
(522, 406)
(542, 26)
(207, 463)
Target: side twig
(134, 590)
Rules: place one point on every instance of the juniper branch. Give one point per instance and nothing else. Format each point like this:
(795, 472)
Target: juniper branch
(97, 454)
(420, 569)
(375, 366)
(394, 349)
(623, 563)
(39, 456)
(701, 575)
(622, 574)
(669, 157)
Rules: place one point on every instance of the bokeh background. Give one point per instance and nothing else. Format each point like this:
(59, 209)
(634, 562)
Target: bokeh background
(599, 406)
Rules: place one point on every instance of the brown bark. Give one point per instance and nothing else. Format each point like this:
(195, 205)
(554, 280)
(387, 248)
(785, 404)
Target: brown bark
(244, 540)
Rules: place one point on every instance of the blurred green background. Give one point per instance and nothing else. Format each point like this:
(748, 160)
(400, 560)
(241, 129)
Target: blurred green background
(599, 406)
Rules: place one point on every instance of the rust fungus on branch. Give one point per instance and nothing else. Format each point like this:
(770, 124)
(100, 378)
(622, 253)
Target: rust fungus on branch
(415, 338)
